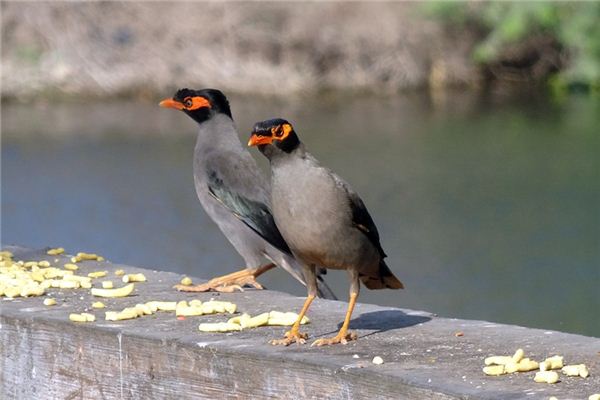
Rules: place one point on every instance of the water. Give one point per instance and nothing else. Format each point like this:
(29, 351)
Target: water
(487, 208)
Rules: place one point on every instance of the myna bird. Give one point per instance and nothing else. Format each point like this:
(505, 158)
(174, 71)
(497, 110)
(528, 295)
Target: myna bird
(323, 221)
(234, 193)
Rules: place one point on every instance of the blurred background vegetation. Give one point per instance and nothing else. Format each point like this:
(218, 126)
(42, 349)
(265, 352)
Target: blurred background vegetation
(138, 48)
(553, 42)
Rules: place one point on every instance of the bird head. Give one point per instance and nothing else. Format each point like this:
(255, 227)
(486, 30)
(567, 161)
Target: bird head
(274, 134)
(201, 105)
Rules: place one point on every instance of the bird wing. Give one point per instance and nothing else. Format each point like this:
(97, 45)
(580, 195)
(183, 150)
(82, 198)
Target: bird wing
(361, 219)
(238, 188)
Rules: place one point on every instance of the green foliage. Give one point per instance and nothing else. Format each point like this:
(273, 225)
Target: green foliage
(574, 25)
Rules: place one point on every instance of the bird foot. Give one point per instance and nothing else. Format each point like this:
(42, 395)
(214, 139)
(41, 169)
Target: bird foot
(343, 339)
(290, 337)
(229, 283)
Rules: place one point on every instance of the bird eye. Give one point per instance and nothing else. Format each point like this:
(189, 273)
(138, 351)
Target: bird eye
(276, 131)
(188, 102)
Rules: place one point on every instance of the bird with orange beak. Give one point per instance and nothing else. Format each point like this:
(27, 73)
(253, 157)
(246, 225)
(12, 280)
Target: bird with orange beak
(323, 221)
(234, 193)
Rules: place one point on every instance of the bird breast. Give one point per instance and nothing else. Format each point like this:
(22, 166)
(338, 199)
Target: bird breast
(311, 212)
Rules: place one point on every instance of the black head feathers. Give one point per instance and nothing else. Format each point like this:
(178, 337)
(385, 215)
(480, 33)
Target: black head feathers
(276, 132)
(201, 104)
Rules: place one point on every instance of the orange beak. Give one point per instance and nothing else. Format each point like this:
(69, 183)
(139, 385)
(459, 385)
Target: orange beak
(170, 103)
(255, 140)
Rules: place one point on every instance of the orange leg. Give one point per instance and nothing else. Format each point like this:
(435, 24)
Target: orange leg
(294, 335)
(231, 282)
(343, 336)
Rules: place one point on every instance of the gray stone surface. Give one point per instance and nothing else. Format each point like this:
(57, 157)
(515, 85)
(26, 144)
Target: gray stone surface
(44, 355)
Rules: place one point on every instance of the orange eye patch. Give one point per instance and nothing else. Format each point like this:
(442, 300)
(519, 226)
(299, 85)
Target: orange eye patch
(281, 131)
(196, 102)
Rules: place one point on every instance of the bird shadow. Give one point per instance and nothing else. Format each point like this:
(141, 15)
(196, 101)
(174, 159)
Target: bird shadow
(385, 320)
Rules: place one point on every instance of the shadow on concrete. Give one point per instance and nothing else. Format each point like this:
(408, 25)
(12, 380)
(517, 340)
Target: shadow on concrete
(385, 320)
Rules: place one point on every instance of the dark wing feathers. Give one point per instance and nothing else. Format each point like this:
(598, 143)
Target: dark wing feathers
(255, 214)
(360, 216)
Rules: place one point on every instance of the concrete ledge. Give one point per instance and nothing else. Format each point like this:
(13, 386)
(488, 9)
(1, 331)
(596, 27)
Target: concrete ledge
(44, 355)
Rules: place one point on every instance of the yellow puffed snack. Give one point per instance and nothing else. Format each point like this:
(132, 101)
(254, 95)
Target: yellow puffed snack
(219, 327)
(118, 292)
(494, 370)
(97, 274)
(83, 317)
(56, 251)
(546, 377)
(576, 370)
(134, 278)
(98, 304)
(186, 281)
(554, 362)
(49, 302)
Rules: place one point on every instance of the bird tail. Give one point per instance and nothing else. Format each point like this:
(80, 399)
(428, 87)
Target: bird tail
(385, 279)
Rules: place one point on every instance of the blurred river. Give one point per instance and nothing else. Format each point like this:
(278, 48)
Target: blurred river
(487, 208)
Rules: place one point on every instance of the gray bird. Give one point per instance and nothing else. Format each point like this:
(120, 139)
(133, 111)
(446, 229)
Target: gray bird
(323, 221)
(234, 193)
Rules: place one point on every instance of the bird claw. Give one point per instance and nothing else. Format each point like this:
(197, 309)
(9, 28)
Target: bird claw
(205, 287)
(343, 339)
(225, 284)
(290, 337)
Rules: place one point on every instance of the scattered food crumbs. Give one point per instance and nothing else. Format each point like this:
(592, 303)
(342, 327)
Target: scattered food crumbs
(459, 334)
(285, 318)
(196, 307)
(88, 257)
(162, 305)
(498, 360)
(186, 281)
(377, 360)
(127, 313)
(139, 310)
(71, 267)
(500, 365)
(518, 356)
(97, 274)
(49, 302)
(83, 317)
(55, 251)
(550, 363)
(134, 278)
(356, 356)
(119, 292)
(119, 272)
(219, 327)
(181, 318)
(32, 278)
(245, 321)
(546, 377)
(107, 284)
(576, 370)
(98, 304)
(494, 370)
